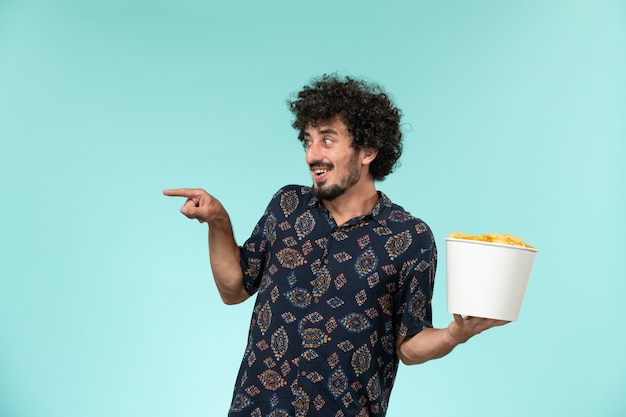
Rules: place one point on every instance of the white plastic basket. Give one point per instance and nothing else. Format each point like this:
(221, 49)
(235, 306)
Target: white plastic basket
(486, 279)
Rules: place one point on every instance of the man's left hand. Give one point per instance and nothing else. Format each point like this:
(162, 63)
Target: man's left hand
(463, 328)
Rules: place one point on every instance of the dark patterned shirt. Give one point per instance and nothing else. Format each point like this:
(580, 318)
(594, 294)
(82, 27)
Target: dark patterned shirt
(331, 302)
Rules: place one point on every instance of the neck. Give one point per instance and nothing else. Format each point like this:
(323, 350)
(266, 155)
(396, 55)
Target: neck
(359, 200)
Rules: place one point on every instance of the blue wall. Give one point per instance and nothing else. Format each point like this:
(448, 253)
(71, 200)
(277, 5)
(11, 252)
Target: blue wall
(515, 119)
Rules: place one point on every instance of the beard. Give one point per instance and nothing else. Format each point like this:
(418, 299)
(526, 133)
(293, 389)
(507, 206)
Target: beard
(332, 191)
(329, 192)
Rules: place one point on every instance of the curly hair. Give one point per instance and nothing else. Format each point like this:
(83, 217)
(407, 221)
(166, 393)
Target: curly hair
(369, 114)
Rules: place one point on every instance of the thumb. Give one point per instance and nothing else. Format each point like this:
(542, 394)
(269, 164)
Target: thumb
(189, 209)
(193, 213)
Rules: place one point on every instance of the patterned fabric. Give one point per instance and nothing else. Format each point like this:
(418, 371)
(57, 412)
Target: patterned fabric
(331, 302)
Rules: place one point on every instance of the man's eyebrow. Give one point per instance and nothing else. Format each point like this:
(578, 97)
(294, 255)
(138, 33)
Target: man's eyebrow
(322, 132)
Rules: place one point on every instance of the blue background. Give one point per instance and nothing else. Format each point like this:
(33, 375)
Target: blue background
(515, 122)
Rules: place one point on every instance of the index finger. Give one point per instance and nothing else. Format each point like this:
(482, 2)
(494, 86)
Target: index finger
(179, 192)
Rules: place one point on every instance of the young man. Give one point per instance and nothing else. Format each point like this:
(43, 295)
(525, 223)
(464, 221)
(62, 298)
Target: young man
(344, 276)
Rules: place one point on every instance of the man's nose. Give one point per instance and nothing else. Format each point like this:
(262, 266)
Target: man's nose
(314, 153)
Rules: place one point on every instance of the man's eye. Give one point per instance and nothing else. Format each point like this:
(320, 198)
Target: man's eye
(327, 141)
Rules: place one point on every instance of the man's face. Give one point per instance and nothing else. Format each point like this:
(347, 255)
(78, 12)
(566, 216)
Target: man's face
(334, 164)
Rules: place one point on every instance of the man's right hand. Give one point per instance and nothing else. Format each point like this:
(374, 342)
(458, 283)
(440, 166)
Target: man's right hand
(200, 205)
(223, 249)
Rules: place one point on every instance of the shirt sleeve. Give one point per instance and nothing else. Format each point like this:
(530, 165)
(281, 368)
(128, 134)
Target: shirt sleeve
(254, 250)
(417, 279)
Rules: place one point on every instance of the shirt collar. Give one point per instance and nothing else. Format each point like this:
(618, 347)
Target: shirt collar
(379, 213)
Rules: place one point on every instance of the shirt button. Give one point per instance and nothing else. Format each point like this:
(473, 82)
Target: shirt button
(303, 373)
(326, 261)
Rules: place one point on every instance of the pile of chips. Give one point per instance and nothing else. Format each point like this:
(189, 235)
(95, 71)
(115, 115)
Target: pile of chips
(504, 239)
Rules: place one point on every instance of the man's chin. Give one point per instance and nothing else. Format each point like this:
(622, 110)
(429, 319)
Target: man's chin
(329, 192)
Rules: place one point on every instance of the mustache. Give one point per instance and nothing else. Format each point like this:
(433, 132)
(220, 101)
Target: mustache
(320, 164)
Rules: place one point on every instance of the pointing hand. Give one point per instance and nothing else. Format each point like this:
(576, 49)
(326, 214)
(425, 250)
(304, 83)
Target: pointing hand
(200, 205)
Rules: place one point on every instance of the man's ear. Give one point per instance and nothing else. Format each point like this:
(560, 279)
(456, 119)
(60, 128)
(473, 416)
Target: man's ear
(368, 155)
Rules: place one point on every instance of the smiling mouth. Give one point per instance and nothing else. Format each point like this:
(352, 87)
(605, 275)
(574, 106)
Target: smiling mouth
(320, 170)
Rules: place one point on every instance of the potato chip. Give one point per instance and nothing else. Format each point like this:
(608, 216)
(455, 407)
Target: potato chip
(505, 239)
